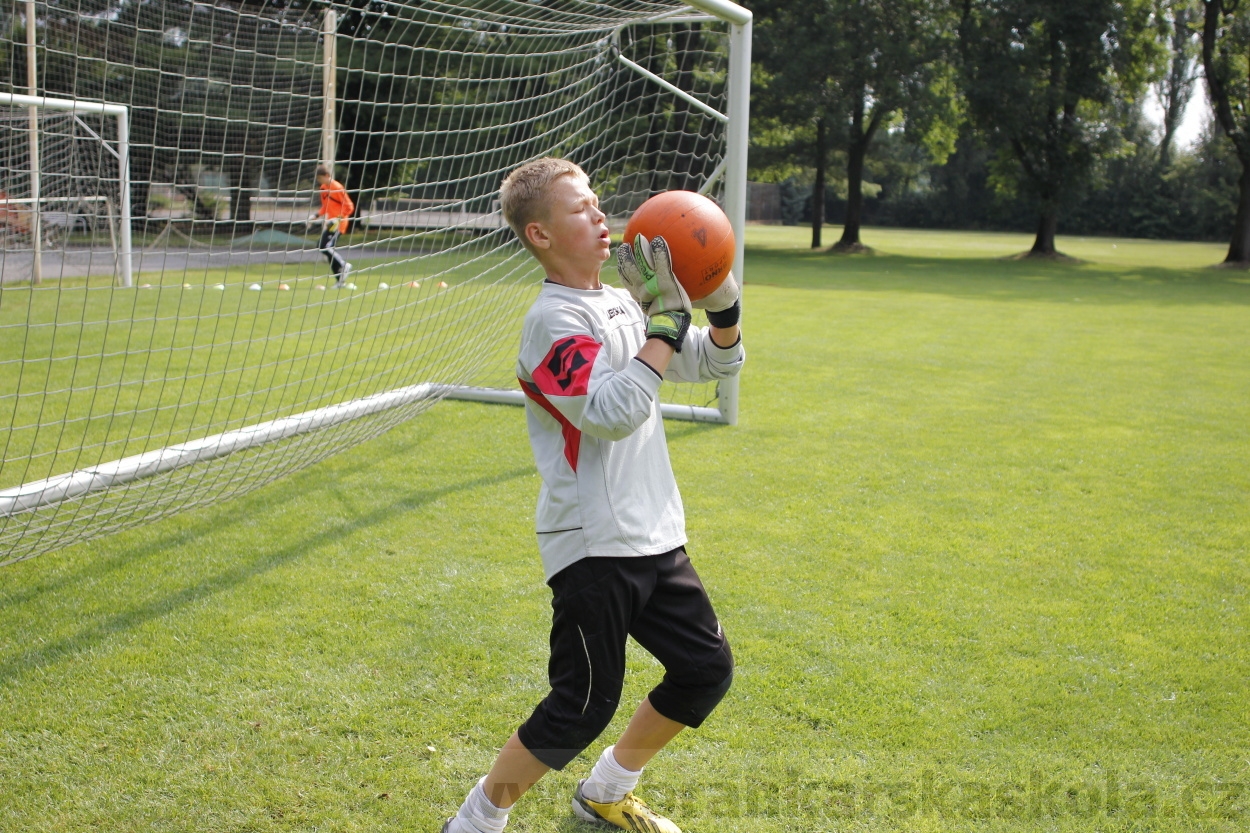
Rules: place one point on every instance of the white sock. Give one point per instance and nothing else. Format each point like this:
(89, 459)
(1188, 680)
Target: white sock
(609, 781)
(478, 815)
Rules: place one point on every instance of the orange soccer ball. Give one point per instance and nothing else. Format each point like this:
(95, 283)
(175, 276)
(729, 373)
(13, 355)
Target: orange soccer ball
(699, 236)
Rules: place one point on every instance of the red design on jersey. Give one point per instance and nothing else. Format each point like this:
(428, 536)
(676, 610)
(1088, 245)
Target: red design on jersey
(566, 369)
(572, 436)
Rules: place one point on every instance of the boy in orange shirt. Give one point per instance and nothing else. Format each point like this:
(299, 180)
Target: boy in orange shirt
(336, 207)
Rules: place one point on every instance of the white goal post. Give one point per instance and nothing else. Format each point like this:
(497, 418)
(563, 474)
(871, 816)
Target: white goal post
(121, 153)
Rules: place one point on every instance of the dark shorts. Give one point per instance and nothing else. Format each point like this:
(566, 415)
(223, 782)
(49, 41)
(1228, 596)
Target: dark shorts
(596, 604)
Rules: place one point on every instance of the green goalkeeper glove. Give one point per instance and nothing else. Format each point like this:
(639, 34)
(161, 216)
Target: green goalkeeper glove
(647, 271)
(669, 327)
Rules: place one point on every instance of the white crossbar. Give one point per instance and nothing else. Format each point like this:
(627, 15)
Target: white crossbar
(96, 478)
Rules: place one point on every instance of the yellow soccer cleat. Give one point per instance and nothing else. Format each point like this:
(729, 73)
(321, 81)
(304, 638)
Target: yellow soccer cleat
(630, 813)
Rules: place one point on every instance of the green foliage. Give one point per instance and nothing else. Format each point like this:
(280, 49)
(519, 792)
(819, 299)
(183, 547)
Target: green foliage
(228, 87)
(838, 72)
(428, 101)
(452, 98)
(1044, 79)
(824, 59)
(1225, 53)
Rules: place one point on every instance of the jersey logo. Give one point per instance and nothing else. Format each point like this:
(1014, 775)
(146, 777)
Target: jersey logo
(615, 311)
(565, 371)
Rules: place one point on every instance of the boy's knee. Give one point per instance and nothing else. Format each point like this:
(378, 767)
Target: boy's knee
(594, 719)
(689, 696)
(560, 729)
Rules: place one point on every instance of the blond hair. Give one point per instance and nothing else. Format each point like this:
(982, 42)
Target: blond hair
(523, 193)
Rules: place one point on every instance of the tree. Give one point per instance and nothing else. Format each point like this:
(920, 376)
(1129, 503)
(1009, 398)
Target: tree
(839, 71)
(1176, 87)
(1225, 54)
(1046, 80)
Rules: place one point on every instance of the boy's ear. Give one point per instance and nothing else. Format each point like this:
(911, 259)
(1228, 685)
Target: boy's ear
(537, 235)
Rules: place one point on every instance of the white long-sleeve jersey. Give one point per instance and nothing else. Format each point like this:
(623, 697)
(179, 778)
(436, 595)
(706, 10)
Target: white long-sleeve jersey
(594, 423)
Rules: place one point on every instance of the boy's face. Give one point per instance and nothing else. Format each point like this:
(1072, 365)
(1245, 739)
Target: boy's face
(575, 230)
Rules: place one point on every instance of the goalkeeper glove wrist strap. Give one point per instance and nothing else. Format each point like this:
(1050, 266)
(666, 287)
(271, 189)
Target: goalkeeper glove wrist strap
(669, 327)
(725, 318)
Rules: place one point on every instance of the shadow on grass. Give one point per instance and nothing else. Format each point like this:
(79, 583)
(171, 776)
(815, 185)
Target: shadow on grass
(680, 430)
(997, 279)
(93, 633)
(200, 522)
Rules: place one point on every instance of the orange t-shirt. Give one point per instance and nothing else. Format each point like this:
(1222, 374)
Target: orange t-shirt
(334, 201)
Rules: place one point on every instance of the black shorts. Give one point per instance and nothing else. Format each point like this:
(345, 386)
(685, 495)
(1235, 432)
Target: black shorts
(596, 604)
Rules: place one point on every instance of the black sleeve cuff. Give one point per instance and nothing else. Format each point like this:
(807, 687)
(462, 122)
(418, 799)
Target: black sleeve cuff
(725, 318)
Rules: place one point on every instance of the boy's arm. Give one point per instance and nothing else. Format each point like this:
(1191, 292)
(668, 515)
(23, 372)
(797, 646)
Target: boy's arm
(703, 359)
(725, 336)
(657, 354)
(572, 380)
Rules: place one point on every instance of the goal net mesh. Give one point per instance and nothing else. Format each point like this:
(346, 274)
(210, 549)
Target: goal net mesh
(79, 196)
(233, 320)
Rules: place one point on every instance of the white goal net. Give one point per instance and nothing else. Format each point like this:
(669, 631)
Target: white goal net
(222, 356)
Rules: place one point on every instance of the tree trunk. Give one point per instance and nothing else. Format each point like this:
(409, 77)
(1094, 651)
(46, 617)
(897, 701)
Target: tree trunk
(818, 191)
(1239, 246)
(854, 194)
(244, 176)
(861, 138)
(1222, 103)
(1047, 225)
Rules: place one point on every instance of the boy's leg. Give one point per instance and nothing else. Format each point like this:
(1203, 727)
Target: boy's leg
(593, 602)
(329, 239)
(486, 807)
(647, 733)
(620, 766)
(678, 626)
(514, 772)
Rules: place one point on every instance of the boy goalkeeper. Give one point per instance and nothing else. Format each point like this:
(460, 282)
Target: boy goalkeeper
(611, 528)
(336, 208)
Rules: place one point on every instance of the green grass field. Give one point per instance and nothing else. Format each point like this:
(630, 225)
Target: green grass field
(979, 541)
